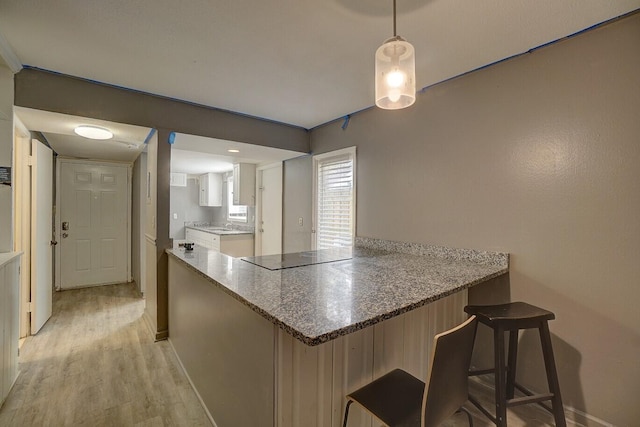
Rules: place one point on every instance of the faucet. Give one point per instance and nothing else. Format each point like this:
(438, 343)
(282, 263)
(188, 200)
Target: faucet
(229, 225)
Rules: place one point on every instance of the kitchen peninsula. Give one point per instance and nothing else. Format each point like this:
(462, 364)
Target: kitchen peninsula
(281, 347)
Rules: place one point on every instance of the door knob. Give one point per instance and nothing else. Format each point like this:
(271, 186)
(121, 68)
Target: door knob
(53, 243)
(65, 235)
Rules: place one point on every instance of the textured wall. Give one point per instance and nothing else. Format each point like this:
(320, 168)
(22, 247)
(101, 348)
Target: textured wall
(537, 156)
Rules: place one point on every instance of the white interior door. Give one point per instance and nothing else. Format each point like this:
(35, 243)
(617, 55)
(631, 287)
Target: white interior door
(94, 223)
(41, 234)
(269, 230)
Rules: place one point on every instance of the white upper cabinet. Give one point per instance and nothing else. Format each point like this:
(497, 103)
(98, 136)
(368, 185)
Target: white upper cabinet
(244, 184)
(210, 189)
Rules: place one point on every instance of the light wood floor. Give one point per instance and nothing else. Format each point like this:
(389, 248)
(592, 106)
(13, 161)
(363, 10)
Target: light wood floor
(94, 364)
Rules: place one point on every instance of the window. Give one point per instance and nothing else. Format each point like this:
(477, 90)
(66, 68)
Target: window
(235, 212)
(334, 198)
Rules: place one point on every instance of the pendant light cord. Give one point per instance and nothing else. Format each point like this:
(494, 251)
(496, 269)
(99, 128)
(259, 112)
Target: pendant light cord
(394, 18)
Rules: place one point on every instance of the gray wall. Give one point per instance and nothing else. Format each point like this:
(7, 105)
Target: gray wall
(297, 203)
(537, 156)
(49, 91)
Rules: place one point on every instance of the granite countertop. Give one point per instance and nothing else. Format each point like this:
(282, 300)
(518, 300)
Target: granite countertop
(220, 231)
(317, 303)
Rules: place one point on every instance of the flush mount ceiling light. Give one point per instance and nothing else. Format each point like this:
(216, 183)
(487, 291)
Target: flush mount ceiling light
(395, 72)
(93, 132)
(233, 150)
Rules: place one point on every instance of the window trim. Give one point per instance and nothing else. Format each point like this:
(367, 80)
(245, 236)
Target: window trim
(317, 159)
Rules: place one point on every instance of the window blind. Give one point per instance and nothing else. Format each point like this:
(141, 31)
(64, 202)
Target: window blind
(335, 202)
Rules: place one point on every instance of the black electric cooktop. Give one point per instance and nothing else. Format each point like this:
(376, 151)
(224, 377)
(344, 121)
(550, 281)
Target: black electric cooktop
(300, 259)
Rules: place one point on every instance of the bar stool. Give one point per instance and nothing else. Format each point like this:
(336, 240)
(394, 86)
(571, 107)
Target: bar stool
(513, 317)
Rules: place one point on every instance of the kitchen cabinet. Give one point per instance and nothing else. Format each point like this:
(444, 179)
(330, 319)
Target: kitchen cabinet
(9, 318)
(244, 184)
(202, 238)
(210, 189)
(235, 245)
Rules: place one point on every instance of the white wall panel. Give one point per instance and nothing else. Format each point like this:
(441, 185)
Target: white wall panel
(312, 382)
(9, 319)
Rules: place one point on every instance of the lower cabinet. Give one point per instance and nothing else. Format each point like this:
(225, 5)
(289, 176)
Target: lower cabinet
(235, 245)
(9, 318)
(202, 238)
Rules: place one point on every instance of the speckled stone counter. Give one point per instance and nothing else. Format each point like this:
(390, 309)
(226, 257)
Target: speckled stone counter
(220, 231)
(318, 303)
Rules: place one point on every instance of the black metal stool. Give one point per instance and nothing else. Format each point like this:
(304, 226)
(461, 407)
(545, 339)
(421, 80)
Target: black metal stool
(512, 317)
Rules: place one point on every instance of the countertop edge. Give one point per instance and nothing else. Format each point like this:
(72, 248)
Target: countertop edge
(220, 232)
(320, 339)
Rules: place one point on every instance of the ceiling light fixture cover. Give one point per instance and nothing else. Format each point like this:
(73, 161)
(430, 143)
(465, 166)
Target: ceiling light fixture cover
(395, 72)
(93, 132)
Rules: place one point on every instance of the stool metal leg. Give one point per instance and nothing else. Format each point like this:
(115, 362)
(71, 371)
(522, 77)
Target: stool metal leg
(511, 363)
(346, 413)
(469, 416)
(501, 406)
(552, 375)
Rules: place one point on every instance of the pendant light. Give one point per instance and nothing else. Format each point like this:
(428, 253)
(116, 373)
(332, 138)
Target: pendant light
(395, 72)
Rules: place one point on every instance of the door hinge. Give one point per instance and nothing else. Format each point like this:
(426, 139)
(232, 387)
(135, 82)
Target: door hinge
(29, 307)
(29, 160)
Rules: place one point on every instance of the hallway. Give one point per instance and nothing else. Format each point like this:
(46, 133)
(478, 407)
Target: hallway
(94, 363)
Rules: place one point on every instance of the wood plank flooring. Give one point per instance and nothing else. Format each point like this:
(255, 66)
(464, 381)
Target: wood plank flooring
(94, 363)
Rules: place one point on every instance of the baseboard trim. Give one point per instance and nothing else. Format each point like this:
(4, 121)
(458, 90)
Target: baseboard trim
(193, 387)
(575, 416)
(582, 419)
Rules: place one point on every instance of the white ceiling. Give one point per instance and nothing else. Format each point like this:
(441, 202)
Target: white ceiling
(196, 155)
(125, 146)
(303, 62)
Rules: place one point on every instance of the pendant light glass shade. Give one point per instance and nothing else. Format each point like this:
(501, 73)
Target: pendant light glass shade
(395, 74)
